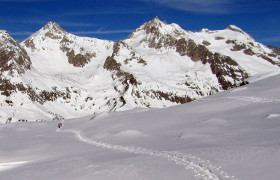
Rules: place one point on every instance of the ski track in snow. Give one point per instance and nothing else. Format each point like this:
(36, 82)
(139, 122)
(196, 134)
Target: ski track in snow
(201, 168)
(255, 99)
(247, 99)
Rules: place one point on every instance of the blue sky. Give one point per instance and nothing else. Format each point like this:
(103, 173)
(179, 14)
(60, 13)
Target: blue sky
(115, 19)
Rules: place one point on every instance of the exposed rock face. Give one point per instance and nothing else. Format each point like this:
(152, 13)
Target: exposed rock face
(189, 48)
(275, 54)
(171, 97)
(78, 60)
(206, 43)
(221, 66)
(252, 50)
(224, 67)
(125, 78)
(235, 28)
(276, 50)
(110, 63)
(13, 58)
(7, 88)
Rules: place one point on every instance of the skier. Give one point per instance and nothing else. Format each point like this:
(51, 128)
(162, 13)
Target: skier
(59, 125)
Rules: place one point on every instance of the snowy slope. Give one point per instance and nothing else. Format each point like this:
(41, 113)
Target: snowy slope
(236, 43)
(57, 84)
(54, 74)
(230, 135)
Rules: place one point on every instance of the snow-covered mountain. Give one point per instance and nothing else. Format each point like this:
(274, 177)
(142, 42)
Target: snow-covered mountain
(60, 75)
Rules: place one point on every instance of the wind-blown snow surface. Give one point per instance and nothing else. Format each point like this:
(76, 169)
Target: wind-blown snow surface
(231, 135)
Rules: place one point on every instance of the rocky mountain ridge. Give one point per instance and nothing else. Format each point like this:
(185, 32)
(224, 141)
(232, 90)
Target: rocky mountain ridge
(14, 58)
(54, 74)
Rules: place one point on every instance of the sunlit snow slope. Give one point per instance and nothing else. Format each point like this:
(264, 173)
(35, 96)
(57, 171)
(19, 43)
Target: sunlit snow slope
(230, 135)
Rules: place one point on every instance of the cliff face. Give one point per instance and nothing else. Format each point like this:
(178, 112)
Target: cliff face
(13, 57)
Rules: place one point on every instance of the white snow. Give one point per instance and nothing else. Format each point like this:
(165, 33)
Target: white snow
(230, 135)
(10, 165)
(270, 116)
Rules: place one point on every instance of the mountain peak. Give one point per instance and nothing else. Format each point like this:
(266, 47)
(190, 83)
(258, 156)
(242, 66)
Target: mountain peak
(156, 20)
(51, 30)
(157, 28)
(13, 57)
(53, 26)
(153, 24)
(5, 37)
(4, 33)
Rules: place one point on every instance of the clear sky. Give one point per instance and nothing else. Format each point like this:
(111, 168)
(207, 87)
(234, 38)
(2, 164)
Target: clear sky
(115, 19)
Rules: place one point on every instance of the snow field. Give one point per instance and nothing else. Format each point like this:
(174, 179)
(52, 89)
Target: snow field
(230, 135)
(203, 169)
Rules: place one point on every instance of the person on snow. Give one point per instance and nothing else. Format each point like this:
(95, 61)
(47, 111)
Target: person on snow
(59, 125)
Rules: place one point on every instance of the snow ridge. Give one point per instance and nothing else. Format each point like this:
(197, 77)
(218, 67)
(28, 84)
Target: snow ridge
(201, 168)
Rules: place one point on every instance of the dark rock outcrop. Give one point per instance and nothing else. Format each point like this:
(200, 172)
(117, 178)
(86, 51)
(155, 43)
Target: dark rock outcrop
(221, 66)
(275, 49)
(12, 56)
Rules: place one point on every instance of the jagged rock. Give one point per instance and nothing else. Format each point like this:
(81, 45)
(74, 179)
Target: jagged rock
(206, 43)
(249, 51)
(275, 49)
(219, 38)
(13, 58)
(235, 28)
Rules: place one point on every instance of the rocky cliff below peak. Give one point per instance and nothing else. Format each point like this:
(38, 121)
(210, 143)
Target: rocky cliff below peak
(13, 58)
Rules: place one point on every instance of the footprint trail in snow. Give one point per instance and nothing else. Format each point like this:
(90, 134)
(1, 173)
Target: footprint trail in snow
(247, 99)
(201, 168)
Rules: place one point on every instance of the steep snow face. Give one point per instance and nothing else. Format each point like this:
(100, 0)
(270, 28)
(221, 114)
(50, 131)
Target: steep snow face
(66, 78)
(14, 59)
(55, 51)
